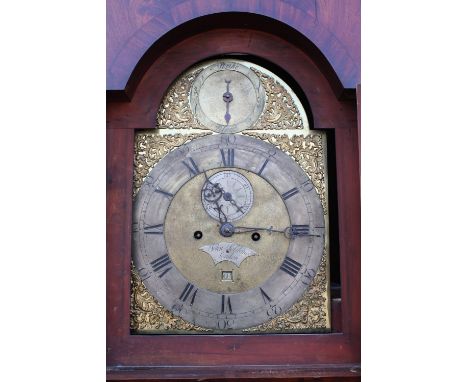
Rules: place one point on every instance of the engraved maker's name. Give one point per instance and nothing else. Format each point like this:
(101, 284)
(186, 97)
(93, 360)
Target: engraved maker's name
(228, 65)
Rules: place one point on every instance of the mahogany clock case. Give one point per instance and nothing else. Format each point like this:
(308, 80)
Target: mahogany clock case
(321, 355)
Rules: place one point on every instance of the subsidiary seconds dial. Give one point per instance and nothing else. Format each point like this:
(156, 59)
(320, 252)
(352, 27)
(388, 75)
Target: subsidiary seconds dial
(227, 195)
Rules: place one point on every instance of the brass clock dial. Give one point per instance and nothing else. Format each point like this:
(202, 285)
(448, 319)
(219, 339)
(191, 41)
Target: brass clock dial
(228, 232)
(227, 97)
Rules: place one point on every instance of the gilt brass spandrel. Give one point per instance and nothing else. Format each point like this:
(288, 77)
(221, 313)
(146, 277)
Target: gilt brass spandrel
(282, 110)
(148, 315)
(174, 111)
(308, 151)
(310, 312)
(151, 146)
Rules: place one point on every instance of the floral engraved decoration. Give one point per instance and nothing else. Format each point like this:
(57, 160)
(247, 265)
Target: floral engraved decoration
(309, 312)
(281, 113)
(148, 314)
(150, 147)
(308, 152)
(174, 111)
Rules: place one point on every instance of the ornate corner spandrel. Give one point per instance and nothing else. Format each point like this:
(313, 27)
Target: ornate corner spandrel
(311, 311)
(147, 314)
(174, 111)
(281, 110)
(307, 151)
(150, 147)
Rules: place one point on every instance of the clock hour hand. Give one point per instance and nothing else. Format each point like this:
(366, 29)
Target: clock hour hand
(218, 208)
(212, 193)
(227, 97)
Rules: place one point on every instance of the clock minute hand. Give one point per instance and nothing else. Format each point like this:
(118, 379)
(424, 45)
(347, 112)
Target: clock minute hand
(290, 232)
(253, 229)
(220, 211)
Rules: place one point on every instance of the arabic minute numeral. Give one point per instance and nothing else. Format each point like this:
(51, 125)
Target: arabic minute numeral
(308, 276)
(177, 307)
(144, 273)
(274, 310)
(307, 186)
(228, 139)
(225, 323)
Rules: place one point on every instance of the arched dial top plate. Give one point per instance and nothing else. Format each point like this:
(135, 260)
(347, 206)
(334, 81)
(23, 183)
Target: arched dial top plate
(178, 245)
(227, 97)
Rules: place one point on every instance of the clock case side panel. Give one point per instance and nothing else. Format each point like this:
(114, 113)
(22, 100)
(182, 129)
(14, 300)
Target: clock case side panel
(306, 355)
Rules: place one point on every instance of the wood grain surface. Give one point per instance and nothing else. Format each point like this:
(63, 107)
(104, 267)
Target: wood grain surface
(329, 29)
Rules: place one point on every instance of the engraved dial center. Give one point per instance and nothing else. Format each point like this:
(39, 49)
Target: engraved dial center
(202, 258)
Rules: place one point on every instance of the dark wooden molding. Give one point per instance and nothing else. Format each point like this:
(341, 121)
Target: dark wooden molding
(237, 20)
(328, 31)
(247, 372)
(358, 103)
